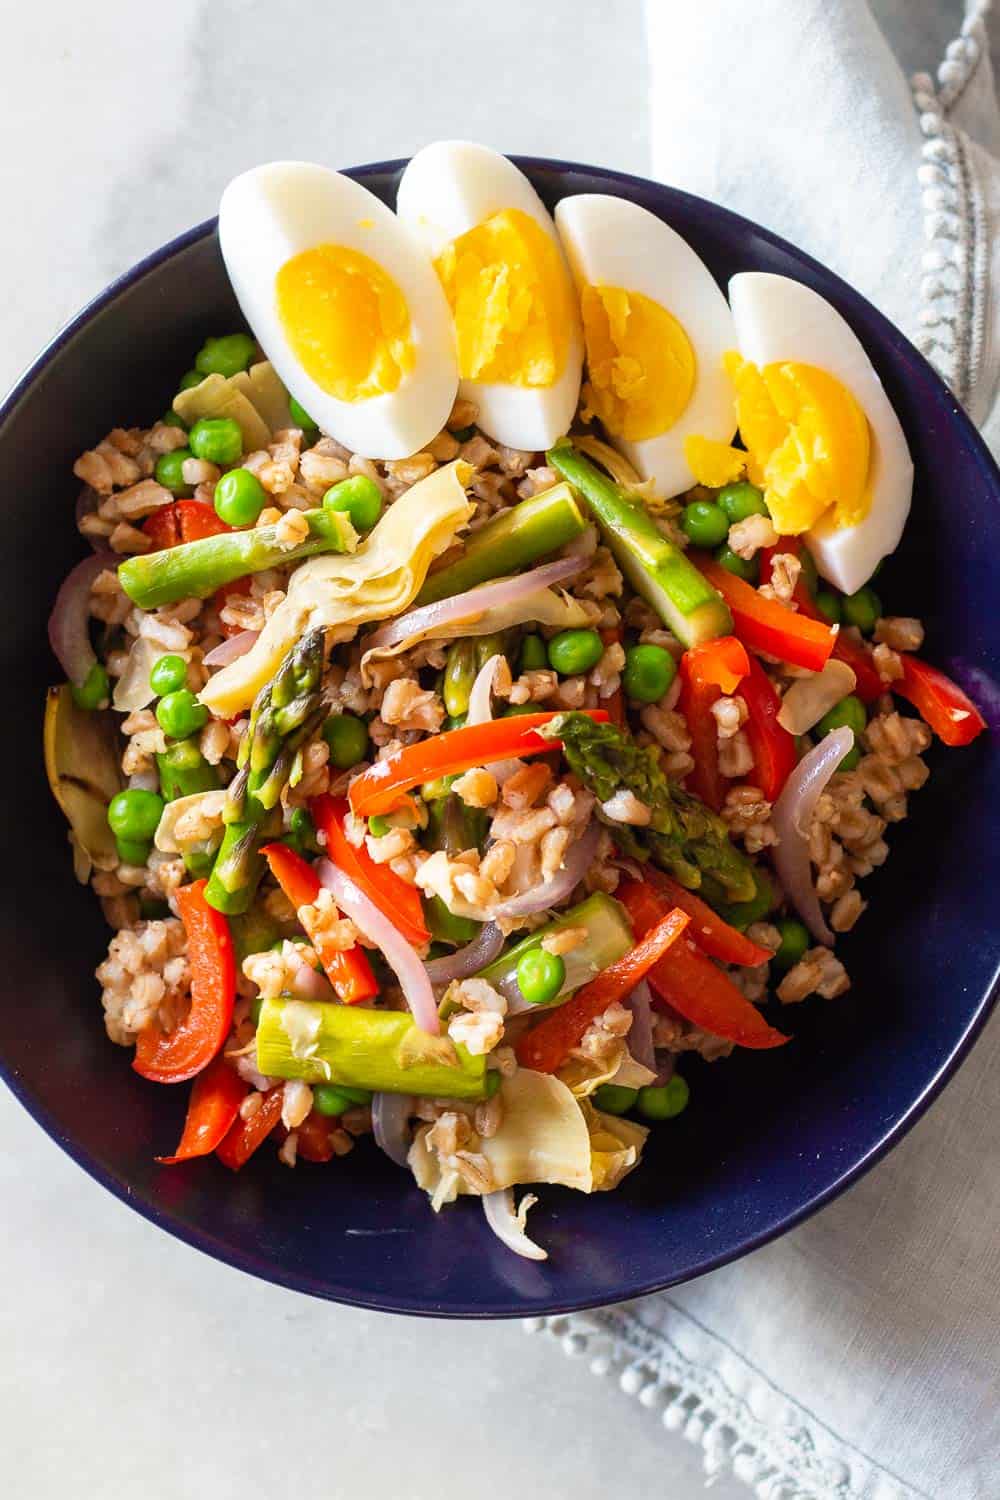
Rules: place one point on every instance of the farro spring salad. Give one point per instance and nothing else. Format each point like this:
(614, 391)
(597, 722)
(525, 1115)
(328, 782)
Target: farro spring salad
(477, 693)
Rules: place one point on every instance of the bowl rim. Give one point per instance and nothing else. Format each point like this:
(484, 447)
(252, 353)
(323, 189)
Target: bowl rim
(200, 1240)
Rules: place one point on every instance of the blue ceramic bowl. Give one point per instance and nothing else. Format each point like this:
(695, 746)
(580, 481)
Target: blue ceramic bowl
(768, 1138)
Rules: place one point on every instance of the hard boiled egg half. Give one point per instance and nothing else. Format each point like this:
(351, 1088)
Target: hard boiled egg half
(345, 304)
(656, 327)
(823, 439)
(508, 288)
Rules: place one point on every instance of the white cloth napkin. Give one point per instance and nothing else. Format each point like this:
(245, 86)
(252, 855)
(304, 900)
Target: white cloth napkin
(857, 1358)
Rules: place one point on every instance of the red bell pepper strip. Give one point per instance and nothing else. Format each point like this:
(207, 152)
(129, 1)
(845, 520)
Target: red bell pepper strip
(691, 984)
(869, 684)
(216, 1096)
(245, 1136)
(348, 970)
(315, 1137)
(707, 672)
(182, 521)
(547, 1046)
(171, 1057)
(711, 934)
(395, 898)
(385, 785)
(940, 702)
(764, 625)
(774, 753)
(162, 527)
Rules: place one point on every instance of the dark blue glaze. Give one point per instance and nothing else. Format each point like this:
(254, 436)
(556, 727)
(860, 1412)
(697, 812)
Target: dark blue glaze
(768, 1138)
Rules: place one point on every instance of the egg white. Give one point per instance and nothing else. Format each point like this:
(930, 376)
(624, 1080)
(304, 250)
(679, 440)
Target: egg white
(780, 320)
(276, 211)
(449, 188)
(610, 241)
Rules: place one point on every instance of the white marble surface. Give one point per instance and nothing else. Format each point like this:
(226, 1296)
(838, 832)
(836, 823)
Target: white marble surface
(129, 1364)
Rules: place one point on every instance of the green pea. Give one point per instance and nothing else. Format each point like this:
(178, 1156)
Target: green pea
(360, 497)
(227, 355)
(328, 1099)
(168, 674)
(829, 606)
(169, 471)
(356, 1096)
(239, 498)
(133, 851)
(180, 714)
(378, 826)
(95, 690)
(794, 942)
(218, 440)
(135, 814)
(573, 651)
(851, 760)
(190, 379)
(705, 523)
(347, 738)
(533, 654)
(171, 419)
(515, 710)
(463, 434)
(300, 416)
(749, 571)
(614, 1099)
(256, 1006)
(663, 1102)
(863, 609)
(649, 671)
(849, 713)
(738, 501)
(540, 976)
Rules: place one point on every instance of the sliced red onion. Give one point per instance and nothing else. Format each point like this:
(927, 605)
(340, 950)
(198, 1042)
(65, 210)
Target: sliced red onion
(640, 1036)
(507, 1223)
(579, 858)
(391, 1125)
(69, 622)
(468, 960)
(398, 953)
(87, 503)
(231, 649)
(310, 984)
(474, 602)
(792, 817)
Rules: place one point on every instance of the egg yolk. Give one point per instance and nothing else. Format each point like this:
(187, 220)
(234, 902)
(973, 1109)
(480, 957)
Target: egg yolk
(640, 362)
(808, 441)
(346, 320)
(511, 300)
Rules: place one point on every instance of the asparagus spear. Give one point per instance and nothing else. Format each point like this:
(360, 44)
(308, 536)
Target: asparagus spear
(193, 570)
(285, 714)
(509, 543)
(452, 826)
(459, 675)
(683, 835)
(609, 937)
(657, 569)
(184, 770)
(362, 1048)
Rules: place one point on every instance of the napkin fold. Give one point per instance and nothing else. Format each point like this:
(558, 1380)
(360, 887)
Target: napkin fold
(857, 1357)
